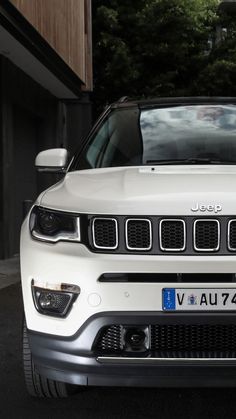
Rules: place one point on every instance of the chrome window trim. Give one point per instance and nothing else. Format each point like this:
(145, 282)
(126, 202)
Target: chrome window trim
(228, 235)
(126, 234)
(160, 235)
(72, 237)
(93, 233)
(194, 235)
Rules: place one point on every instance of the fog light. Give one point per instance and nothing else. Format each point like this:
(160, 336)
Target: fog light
(136, 339)
(54, 302)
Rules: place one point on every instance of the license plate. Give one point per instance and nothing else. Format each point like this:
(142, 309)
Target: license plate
(199, 299)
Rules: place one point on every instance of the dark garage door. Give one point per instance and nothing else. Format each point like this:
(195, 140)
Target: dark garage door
(24, 177)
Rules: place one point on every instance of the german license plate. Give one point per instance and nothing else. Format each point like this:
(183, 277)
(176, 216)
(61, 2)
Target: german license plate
(199, 299)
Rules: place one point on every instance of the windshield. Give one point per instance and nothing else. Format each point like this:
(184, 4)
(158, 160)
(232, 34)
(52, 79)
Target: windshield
(196, 134)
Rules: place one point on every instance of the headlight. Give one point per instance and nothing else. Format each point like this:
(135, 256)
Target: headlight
(54, 299)
(53, 226)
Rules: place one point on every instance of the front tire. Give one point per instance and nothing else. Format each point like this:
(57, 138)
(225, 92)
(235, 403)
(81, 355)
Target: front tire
(36, 384)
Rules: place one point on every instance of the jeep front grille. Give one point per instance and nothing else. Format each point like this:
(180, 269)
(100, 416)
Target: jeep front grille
(160, 235)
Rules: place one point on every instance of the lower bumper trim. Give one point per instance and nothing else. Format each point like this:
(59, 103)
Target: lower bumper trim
(73, 360)
(133, 360)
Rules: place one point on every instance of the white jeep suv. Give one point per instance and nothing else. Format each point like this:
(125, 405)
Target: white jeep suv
(128, 263)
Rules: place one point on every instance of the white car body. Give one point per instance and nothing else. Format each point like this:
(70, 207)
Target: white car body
(140, 192)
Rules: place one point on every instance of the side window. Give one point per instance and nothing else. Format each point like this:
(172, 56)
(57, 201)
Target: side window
(117, 142)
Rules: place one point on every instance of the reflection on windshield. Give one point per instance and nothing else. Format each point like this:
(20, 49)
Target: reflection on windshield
(186, 132)
(191, 134)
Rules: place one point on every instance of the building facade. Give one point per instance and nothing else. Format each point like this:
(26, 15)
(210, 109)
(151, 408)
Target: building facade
(227, 6)
(45, 82)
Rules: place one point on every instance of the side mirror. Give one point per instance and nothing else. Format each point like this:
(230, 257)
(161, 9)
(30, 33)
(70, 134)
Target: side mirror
(52, 161)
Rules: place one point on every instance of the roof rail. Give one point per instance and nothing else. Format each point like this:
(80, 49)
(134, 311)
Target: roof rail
(123, 99)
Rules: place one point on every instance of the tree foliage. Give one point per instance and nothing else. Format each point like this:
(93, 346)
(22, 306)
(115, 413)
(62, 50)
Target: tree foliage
(161, 48)
(219, 75)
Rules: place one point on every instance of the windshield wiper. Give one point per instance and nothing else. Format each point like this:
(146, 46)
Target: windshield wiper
(197, 160)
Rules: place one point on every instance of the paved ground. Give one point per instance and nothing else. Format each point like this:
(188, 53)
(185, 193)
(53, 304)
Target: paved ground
(9, 272)
(102, 403)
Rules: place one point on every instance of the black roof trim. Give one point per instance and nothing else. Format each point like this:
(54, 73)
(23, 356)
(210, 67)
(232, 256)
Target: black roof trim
(172, 101)
(123, 99)
(15, 23)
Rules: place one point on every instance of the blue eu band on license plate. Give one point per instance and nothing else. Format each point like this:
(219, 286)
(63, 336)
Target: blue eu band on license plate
(199, 299)
(169, 299)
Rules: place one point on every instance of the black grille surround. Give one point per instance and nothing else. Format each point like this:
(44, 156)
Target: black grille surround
(173, 341)
(227, 236)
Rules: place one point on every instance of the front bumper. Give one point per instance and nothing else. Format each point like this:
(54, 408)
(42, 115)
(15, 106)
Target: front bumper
(73, 359)
(73, 263)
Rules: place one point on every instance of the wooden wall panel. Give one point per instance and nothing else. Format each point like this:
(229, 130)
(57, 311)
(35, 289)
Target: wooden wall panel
(66, 26)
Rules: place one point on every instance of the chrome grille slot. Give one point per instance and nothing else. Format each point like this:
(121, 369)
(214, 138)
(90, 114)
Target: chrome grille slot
(232, 235)
(206, 235)
(172, 235)
(105, 233)
(138, 234)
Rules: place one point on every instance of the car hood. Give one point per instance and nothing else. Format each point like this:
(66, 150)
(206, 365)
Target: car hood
(158, 190)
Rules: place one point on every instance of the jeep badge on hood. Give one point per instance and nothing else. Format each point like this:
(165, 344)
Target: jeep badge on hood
(210, 208)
